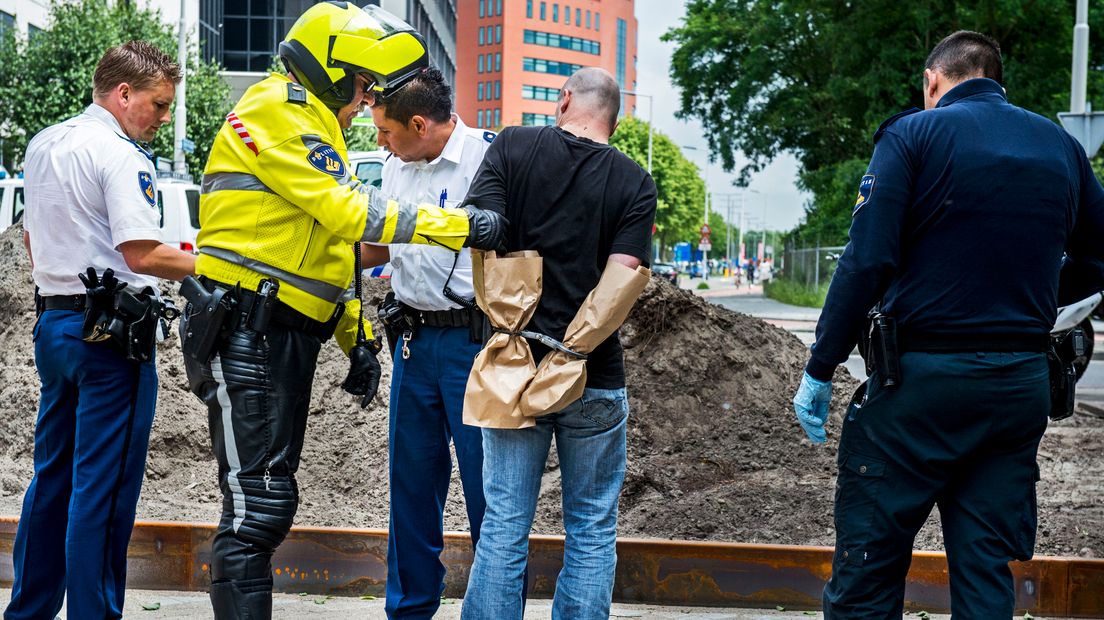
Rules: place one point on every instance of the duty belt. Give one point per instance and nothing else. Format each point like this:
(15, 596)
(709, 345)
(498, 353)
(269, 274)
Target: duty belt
(282, 314)
(989, 343)
(457, 317)
(75, 303)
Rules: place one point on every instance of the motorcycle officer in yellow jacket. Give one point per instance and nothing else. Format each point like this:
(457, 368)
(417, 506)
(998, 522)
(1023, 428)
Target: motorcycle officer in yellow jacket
(280, 212)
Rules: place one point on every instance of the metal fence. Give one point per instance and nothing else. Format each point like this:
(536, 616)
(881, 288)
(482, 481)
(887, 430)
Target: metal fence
(810, 266)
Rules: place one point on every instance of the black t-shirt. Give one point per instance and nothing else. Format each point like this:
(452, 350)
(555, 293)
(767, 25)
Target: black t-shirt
(576, 202)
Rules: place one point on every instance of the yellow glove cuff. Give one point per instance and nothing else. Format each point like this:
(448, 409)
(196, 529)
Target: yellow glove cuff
(346, 332)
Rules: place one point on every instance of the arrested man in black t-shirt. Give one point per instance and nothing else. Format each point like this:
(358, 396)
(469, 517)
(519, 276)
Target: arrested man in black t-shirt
(582, 204)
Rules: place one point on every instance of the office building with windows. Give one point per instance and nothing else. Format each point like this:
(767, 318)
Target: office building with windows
(514, 55)
(28, 17)
(243, 35)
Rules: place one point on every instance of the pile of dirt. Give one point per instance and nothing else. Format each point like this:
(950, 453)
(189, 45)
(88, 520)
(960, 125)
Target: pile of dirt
(714, 450)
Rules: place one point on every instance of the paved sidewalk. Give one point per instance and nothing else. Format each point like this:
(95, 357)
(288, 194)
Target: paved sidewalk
(195, 605)
(749, 300)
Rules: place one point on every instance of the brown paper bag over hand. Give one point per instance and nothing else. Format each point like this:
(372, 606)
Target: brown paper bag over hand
(561, 378)
(507, 289)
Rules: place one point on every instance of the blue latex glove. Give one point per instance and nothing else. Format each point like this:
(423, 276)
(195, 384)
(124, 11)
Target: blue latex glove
(811, 405)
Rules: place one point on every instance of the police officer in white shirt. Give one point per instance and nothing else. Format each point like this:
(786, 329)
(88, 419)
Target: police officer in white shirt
(91, 192)
(434, 158)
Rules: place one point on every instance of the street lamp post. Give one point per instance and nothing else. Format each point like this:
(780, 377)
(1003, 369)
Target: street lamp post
(764, 256)
(743, 213)
(728, 196)
(705, 253)
(180, 125)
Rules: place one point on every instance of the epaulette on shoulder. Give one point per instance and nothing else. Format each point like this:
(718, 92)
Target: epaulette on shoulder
(893, 119)
(296, 93)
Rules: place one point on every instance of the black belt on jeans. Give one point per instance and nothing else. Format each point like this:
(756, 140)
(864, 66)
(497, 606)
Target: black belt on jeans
(75, 303)
(282, 314)
(995, 343)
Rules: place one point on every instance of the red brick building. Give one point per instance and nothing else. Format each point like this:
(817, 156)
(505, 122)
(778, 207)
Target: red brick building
(512, 56)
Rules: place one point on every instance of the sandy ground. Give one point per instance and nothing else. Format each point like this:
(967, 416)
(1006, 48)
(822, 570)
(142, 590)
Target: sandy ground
(714, 450)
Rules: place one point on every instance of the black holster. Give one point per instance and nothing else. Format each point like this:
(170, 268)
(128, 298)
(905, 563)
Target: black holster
(206, 319)
(397, 321)
(132, 323)
(137, 318)
(400, 321)
(1066, 349)
(879, 350)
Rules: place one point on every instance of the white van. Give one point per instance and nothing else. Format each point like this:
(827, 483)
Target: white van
(177, 204)
(11, 202)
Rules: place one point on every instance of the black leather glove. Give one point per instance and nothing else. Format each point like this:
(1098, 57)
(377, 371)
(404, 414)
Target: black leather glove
(364, 371)
(486, 229)
(100, 305)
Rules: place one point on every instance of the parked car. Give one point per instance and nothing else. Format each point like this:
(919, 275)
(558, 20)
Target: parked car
(666, 271)
(177, 206)
(11, 202)
(368, 165)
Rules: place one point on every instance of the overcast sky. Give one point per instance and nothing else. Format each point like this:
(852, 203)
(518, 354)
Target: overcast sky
(778, 197)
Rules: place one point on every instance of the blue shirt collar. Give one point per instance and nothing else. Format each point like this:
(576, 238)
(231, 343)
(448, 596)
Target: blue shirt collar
(972, 88)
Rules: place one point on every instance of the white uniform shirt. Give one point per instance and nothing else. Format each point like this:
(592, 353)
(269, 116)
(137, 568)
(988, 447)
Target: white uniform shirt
(420, 271)
(88, 190)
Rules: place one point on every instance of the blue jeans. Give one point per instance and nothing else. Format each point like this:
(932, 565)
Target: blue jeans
(590, 440)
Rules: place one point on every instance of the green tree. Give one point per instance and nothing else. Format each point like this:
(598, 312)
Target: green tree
(817, 77)
(361, 138)
(679, 186)
(48, 78)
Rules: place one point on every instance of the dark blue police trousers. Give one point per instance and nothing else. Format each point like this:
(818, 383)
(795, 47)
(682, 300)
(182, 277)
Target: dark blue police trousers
(427, 401)
(93, 429)
(961, 432)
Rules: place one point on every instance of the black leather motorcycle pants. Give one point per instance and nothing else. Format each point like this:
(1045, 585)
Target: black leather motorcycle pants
(257, 390)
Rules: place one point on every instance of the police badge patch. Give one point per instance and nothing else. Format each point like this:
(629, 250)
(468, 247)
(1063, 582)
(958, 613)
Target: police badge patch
(866, 188)
(145, 185)
(326, 159)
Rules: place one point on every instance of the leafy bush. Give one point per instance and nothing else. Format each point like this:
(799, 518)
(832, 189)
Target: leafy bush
(796, 293)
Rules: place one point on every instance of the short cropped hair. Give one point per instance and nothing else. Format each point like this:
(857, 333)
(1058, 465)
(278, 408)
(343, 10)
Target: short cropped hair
(427, 95)
(596, 91)
(137, 63)
(965, 54)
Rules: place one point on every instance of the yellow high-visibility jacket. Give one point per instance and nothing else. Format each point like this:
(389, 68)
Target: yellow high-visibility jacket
(279, 201)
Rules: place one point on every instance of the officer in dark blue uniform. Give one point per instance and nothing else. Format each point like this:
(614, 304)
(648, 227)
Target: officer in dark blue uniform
(959, 231)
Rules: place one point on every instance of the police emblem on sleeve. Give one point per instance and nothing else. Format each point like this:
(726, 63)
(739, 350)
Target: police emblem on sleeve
(145, 185)
(866, 188)
(325, 158)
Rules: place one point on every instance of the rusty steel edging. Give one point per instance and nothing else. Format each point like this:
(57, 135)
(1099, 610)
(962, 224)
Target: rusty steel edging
(176, 556)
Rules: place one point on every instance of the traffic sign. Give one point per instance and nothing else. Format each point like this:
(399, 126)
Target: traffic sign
(705, 230)
(187, 145)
